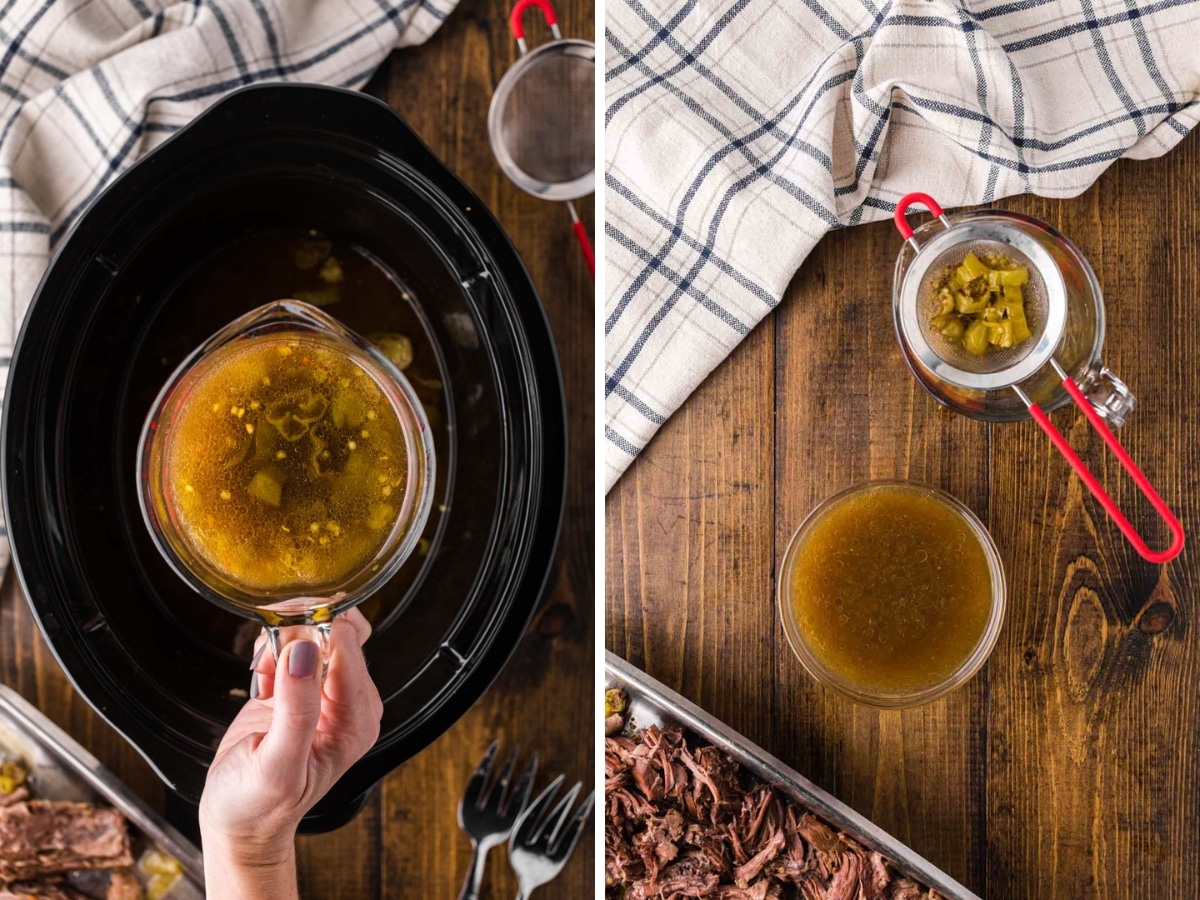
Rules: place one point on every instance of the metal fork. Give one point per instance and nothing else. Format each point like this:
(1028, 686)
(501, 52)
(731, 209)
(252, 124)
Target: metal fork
(489, 810)
(541, 842)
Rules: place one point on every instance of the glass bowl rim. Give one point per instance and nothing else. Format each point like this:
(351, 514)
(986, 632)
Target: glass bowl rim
(897, 699)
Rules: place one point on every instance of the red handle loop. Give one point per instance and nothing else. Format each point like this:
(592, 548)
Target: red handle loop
(585, 244)
(902, 209)
(1081, 469)
(518, 11)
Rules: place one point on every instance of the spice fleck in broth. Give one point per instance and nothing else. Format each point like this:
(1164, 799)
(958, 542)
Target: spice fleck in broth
(891, 590)
(286, 464)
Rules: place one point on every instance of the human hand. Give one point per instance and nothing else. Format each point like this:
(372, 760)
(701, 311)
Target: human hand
(282, 753)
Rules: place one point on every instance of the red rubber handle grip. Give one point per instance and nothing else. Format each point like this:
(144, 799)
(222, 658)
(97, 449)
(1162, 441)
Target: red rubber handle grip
(514, 20)
(902, 209)
(585, 244)
(1127, 463)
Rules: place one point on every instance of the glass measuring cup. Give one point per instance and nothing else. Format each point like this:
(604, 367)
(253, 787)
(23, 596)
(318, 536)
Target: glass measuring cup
(1079, 352)
(311, 598)
(1063, 325)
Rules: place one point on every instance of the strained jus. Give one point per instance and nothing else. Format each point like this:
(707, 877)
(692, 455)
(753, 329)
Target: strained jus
(286, 464)
(891, 589)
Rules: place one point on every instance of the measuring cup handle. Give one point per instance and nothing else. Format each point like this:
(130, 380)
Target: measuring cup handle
(908, 200)
(518, 10)
(318, 634)
(1081, 469)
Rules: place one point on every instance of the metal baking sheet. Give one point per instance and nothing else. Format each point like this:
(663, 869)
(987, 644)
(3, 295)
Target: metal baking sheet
(653, 703)
(60, 769)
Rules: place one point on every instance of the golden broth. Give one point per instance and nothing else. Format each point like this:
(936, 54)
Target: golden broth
(286, 464)
(891, 590)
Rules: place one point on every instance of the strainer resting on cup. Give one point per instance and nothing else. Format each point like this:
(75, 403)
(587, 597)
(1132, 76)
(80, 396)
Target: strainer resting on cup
(977, 385)
(541, 122)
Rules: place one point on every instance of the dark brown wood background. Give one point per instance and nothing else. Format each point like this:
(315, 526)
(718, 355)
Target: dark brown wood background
(1068, 768)
(407, 843)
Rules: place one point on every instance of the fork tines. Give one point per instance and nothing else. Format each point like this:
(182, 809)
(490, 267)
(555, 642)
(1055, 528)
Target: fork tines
(484, 792)
(553, 833)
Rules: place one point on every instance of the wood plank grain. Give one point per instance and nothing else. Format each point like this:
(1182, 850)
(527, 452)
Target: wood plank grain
(346, 864)
(28, 666)
(1094, 710)
(847, 410)
(1066, 768)
(544, 701)
(689, 546)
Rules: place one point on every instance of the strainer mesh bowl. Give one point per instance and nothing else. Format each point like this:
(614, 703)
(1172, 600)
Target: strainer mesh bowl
(928, 306)
(547, 122)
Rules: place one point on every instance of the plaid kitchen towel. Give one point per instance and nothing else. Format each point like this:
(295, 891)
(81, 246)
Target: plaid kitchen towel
(738, 133)
(89, 86)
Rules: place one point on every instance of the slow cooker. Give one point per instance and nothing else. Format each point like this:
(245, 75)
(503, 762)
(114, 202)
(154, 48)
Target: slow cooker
(117, 310)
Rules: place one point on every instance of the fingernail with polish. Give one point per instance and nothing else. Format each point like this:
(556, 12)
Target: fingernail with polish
(302, 659)
(257, 656)
(254, 686)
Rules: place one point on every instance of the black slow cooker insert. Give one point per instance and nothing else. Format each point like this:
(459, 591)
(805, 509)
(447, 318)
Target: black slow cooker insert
(125, 299)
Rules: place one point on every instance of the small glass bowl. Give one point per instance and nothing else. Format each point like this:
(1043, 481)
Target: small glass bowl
(829, 678)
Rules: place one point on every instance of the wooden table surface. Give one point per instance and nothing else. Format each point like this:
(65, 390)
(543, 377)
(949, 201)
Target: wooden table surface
(1068, 767)
(407, 843)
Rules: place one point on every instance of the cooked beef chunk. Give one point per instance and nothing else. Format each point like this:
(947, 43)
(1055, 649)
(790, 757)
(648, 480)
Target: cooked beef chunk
(621, 864)
(19, 795)
(763, 890)
(905, 889)
(124, 886)
(684, 822)
(39, 890)
(876, 881)
(648, 778)
(40, 838)
(744, 874)
(691, 876)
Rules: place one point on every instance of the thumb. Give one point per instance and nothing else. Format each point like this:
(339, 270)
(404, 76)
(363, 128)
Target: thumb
(297, 707)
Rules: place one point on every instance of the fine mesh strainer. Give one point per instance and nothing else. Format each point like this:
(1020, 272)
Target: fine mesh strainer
(542, 122)
(1045, 297)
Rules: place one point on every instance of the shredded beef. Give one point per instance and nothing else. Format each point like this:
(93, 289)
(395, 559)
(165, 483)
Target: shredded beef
(40, 838)
(684, 822)
(876, 881)
(19, 795)
(906, 889)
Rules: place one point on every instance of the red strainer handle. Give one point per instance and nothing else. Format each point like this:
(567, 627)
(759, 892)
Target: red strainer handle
(518, 11)
(585, 244)
(1081, 469)
(902, 209)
